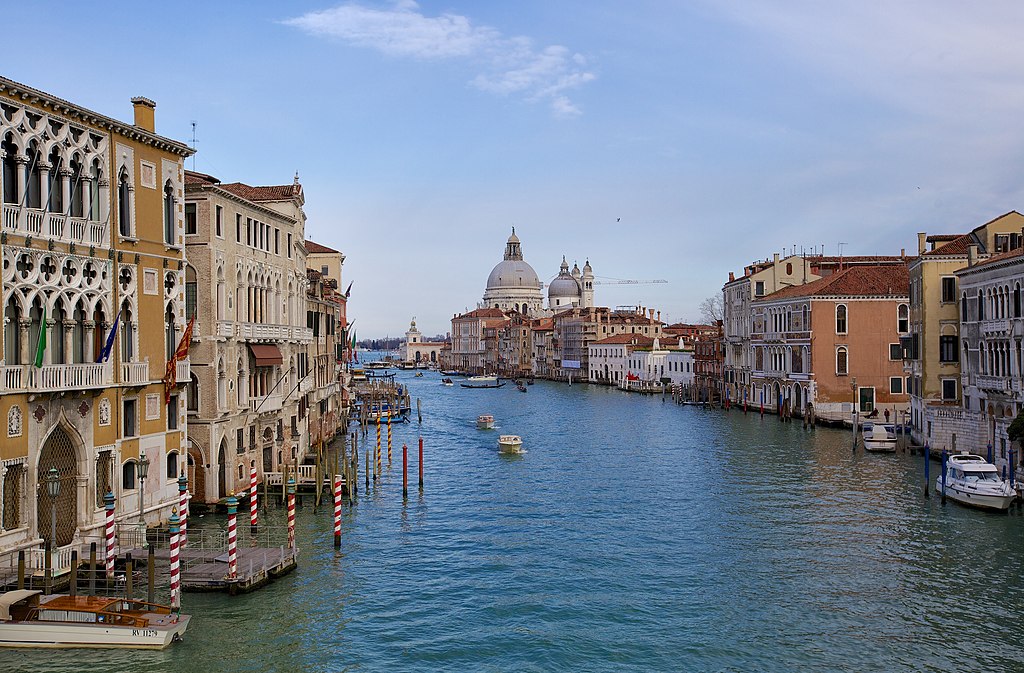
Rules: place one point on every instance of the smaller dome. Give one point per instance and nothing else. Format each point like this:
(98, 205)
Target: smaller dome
(563, 287)
(586, 267)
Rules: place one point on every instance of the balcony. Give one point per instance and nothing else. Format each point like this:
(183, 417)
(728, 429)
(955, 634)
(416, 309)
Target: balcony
(995, 326)
(225, 328)
(39, 223)
(183, 371)
(135, 373)
(267, 403)
(306, 384)
(13, 378)
(302, 334)
(56, 378)
(994, 383)
(253, 331)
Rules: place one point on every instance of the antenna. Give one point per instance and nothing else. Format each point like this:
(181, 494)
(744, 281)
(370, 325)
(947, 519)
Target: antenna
(193, 144)
(841, 244)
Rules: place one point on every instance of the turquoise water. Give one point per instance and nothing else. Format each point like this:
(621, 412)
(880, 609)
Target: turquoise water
(632, 535)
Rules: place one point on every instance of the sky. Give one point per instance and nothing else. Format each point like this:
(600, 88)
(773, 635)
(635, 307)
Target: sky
(658, 139)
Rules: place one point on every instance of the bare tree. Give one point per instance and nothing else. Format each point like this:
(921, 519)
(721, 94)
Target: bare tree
(711, 309)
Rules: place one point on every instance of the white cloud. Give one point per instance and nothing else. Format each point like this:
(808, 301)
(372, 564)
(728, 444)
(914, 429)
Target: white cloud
(511, 65)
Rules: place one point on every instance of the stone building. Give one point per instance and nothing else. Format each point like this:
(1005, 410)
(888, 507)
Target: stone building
(251, 366)
(93, 257)
(323, 403)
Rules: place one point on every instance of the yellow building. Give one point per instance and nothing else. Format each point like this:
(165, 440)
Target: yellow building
(92, 244)
(932, 350)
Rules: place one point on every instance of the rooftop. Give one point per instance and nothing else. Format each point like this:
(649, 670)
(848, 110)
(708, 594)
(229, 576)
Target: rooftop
(860, 281)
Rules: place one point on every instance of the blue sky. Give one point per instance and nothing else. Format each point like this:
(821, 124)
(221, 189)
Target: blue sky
(670, 140)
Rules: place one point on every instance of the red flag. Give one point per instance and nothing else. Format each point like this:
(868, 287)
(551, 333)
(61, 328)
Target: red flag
(180, 353)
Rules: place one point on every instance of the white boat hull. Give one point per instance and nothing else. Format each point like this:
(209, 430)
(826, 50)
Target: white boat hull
(880, 445)
(68, 634)
(971, 498)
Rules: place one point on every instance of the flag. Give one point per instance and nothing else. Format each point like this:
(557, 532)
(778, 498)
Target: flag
(180, 353)
(109, 345)
(41, 345)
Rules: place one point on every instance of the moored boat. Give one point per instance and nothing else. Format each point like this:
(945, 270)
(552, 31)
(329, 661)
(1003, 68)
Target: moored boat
(879, 437)
(29, 619)
(975, 482)
(485, 422)
(510, 443)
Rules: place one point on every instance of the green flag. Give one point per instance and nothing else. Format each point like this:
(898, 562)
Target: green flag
(41, 346)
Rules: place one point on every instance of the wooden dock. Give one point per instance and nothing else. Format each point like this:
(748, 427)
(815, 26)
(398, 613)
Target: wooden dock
(207, 569)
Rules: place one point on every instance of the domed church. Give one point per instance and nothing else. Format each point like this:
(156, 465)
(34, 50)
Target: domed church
(514, 286)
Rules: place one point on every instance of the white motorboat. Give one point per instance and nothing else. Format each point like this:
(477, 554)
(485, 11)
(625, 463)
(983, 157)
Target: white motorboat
(879, 437)
(485, 422)
(29, 619)
(973, 481)
(510, 443)
(482, 382)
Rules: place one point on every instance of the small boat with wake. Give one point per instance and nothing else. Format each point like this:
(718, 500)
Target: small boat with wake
(510, 444)
(483, 382)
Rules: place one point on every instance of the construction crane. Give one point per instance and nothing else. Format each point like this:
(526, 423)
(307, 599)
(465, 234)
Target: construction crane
(616, 281)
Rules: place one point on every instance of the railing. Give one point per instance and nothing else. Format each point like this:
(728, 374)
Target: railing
(13, 377)
(302, 333)
(306, 384)
(267, 403)
(36, 222)
(225, 328)
(995, 326)
(69, 377)
(305, 475)
(135, 373)
(253, 330)
(993, 382)
(183, 371)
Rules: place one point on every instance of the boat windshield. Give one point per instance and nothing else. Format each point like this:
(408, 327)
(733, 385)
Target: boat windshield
(980, 476)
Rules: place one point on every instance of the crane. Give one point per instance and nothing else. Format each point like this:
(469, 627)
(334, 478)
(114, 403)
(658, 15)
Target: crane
(616, 281)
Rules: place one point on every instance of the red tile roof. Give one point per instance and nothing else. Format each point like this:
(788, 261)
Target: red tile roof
(635, 339)
(193, 178)
(317, 248)
(1001, 257)
(271, 193)
(860, 281)
(957, 246)
(483, 313)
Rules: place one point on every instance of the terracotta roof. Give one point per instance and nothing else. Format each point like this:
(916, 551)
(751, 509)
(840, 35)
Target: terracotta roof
(193, 178)
(316, 247)
(942, 238)
(861, 281)
(957, 246)
(635, 339)
(1001, 257)
(271, 193)
(860, 259)
(483, 313)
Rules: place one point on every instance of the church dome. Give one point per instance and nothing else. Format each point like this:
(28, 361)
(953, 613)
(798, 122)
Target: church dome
(563, 287)
(513, 271)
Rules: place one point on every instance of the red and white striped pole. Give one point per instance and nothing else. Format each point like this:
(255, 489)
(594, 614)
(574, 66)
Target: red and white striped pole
(232, 537)
(108, 504)
(175, 568)
(183, 508)
(291, 512)
(337, 511)
(253, 516)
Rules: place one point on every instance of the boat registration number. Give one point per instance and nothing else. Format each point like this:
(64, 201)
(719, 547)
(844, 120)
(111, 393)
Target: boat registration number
(145, 633)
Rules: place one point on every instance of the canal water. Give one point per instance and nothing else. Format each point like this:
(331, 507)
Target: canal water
(632, 534)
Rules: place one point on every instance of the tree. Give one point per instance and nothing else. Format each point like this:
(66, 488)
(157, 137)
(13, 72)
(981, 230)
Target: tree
(712, 309)
(1016, 430)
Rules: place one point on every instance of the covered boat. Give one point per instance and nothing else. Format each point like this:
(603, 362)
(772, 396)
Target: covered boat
(29, 619)
(485, 422)
(482, 382)
(510, 443)
(879, 437)
(973, 481)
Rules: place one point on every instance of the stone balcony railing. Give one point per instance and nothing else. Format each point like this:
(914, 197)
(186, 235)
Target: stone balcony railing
(53, 378)
(995, 326)
(266, 403)
(42, 224)
(183, 371)
(225, 328)
(997, 383)
(135, 373)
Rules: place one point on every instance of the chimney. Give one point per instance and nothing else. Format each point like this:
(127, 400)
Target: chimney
(775, 258)
(144, 113)
(903, 253)
(732, 276)
(659, 316)
(921, 242)
(972, 255)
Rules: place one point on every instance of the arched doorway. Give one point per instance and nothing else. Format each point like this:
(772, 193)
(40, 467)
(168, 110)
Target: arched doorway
(196, 473)
(58, 452)
(222, 483)
(797, 401)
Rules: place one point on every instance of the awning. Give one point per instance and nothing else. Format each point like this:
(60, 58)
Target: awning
(266, 355)
(11, 597)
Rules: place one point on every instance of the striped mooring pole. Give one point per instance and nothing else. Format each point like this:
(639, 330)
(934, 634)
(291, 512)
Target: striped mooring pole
(376, 474)
(108, 505)
(175, 569)
(337, 511)
(291, 513)
(183, 509)
(253, 516)
(389, 438)
(232, 536)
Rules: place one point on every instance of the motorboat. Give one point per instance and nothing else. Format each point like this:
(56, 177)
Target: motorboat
(30, 619)
(450, 372)
(879, 437)
(447, 382)
(485, 422)
(482, 382)
(971, 480)
(379, 364)
(521, 387)
(510, 444)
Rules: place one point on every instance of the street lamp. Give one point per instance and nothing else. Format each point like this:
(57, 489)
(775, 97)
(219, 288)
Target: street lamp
(143, 473)
(53, 490)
